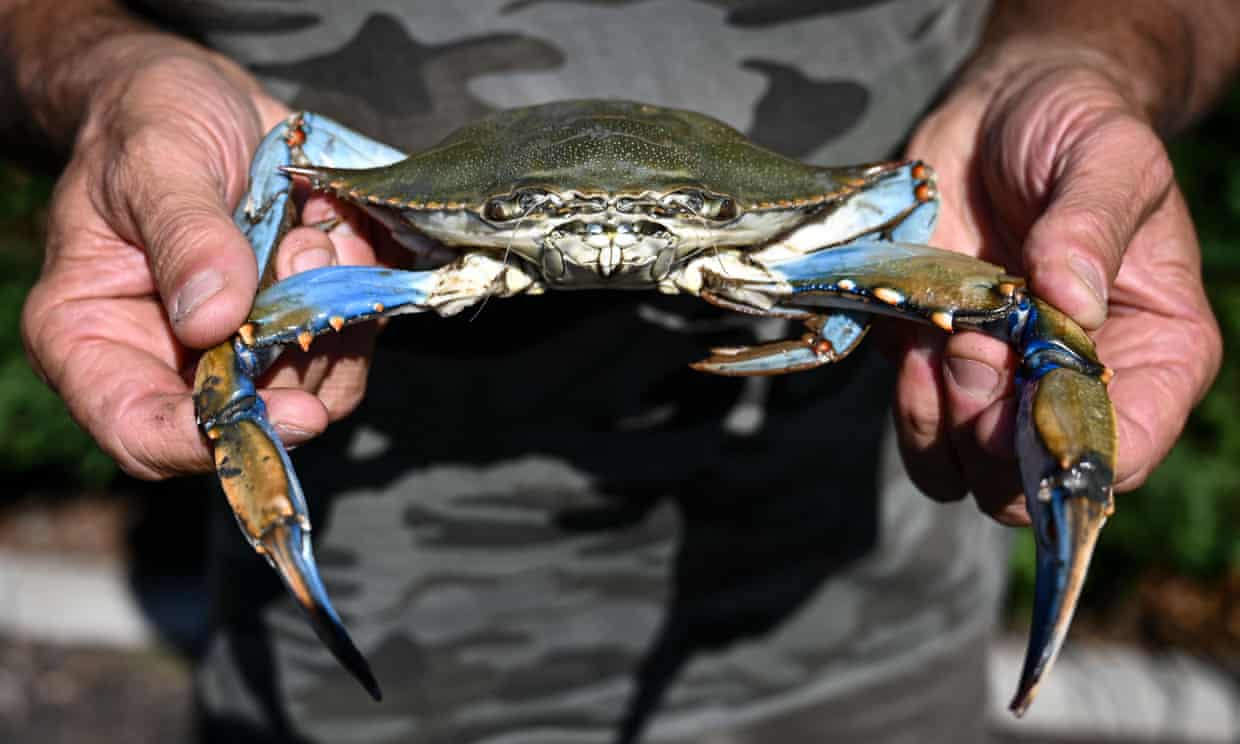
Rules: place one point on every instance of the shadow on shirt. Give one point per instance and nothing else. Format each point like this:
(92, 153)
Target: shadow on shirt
(765, 516)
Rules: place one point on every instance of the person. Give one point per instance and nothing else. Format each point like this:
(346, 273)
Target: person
(537, 524)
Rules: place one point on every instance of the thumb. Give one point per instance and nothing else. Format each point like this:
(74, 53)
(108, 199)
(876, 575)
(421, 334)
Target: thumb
(1109, 179)
(177, 209)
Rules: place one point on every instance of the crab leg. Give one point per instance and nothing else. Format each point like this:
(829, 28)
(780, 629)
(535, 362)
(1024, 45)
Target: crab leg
(265, 214)
(253, 467)
(901, 206)
(830, 338)
(1065, 439)
(252, 464)
(1065, 444)
(263, 491)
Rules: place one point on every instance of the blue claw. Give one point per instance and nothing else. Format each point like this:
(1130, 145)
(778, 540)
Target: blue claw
(319, 300)
(1067, 528)
(286, 545)
(253, 466)
(263, 215)
(262, 489)
(832, 337)
(1069, 497)
(1066, 433)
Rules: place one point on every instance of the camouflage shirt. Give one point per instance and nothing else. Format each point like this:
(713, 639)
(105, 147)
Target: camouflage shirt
(542, 527)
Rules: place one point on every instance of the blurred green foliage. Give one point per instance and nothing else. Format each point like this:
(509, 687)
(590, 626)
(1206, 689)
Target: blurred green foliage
(1186, 519)
(40, 446)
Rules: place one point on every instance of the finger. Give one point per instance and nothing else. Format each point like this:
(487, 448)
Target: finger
(159, 195)
(920, 418)
(1109, 179)
(355, 237)
(131, 397)
(334, 234)
(336, 366)
(980, 407)
(977, 375)
(154, 436)
(1163, 343)
(303, 249)
(334, 369)
(995, 485)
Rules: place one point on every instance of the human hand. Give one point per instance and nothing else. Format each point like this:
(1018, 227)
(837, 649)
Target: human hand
(144, 264)
(1053, 171)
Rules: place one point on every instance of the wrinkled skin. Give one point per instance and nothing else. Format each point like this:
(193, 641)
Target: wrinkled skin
(113, 322)
(1082, 174)
(1082, 202)
(126, 255)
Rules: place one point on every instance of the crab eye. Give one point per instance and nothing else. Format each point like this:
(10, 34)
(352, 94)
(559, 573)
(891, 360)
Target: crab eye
(502, 210)
(705, 205)
(511, 206)
(722, 209)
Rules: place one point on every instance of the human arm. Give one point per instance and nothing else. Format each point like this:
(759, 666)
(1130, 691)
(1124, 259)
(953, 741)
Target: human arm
(1050, 162)
(143, 262)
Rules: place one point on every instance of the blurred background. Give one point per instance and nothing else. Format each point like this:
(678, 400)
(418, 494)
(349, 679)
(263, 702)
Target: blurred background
(101, 611)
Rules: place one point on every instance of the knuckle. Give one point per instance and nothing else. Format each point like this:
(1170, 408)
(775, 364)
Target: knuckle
(1124, 133)
(33, 323)
(928, 460)
(919, 422)
(1158, 169)
(1204, 354)
(343, 392)
(344, 404)
(126, 175)
(176, 229)
(1085, 223)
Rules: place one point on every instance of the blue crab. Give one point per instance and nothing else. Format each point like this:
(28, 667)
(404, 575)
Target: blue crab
(620, 195)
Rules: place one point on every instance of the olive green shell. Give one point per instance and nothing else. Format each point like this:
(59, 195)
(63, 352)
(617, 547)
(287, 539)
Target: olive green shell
(592, 147)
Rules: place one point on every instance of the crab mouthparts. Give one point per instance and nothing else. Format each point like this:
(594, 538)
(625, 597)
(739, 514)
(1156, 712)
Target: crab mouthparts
(614, 252)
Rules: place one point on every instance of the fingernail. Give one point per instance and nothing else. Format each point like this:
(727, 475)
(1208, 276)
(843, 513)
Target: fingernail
(291, 436)
(312, 258)
(1091, 278)
(196, 291)
(977, 379)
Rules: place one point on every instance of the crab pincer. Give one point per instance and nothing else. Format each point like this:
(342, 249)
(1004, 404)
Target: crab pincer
(1066, 435)
(253, 467)
(618, 195)
(1065, 445)
(263, 491)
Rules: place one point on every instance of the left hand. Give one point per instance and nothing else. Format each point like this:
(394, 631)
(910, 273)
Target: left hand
(1052, 172)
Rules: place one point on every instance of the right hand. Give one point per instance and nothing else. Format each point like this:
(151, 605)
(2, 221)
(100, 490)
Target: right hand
(144, 264)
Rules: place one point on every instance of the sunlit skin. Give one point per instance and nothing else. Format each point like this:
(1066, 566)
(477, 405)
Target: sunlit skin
(123, 255)
(1048, 163)
(1082, 181)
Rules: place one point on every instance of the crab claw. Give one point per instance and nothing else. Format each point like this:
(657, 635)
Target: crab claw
(286, 545)
(262, 489)
(1065, 445)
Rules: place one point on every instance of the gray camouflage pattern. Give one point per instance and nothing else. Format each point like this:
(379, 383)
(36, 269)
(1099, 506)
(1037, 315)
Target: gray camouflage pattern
(594, 543)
